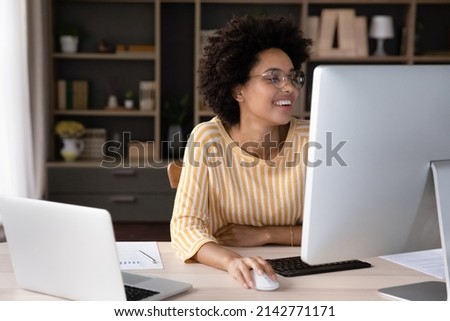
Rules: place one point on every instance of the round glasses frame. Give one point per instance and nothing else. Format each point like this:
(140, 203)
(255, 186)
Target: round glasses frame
(278, 78)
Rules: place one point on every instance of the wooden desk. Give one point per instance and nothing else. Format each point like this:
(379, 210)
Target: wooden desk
(211, 284)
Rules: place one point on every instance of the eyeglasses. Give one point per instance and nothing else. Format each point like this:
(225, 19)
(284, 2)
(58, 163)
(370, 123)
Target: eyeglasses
(278, 78)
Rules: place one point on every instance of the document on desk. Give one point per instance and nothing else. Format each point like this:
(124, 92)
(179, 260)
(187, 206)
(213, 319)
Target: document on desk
(139, 255)
(429, 261)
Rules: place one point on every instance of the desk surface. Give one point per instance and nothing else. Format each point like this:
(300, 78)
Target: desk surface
(212, 284)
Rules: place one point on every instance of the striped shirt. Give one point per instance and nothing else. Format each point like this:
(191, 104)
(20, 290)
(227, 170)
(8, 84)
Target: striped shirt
(221, 184)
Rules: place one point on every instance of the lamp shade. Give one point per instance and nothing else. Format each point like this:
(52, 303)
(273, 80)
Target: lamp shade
(381, 27)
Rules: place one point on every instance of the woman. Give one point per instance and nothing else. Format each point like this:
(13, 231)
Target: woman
(242, 180)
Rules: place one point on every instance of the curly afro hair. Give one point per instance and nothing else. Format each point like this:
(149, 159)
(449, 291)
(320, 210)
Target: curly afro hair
(232, 52)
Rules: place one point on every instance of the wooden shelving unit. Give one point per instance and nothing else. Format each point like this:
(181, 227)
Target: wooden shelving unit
(119, 22)
(128, 189)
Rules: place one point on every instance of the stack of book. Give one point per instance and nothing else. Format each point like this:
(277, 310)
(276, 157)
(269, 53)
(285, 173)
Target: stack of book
(72, 94)
(338, 33)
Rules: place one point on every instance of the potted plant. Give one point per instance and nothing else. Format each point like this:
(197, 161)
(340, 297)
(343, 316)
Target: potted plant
(69, 38)
(175, 109)
(129, 99)
(174, 113)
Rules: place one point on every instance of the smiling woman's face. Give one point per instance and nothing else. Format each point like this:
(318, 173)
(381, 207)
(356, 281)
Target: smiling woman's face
(259, 99)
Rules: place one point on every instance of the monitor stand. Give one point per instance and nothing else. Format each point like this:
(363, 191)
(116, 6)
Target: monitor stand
(433, 291)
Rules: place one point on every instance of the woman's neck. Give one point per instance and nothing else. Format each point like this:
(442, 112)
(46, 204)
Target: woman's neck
(261, 141)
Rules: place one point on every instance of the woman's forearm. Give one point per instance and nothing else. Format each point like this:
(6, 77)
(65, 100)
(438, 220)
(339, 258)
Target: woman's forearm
(215, 255)
(284, 235)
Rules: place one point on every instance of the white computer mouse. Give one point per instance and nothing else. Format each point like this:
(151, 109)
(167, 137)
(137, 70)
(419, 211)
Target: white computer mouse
(264, 282)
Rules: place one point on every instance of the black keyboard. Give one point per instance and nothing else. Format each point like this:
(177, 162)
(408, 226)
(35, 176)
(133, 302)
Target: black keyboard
(294, 266)
(137, 294)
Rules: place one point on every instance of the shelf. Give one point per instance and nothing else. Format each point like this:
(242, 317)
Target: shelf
(432, 2)
(91, 163)
(432, 59)
(96, 163)
(359, 2)
(250, 1)
(111, 1)
(369, 59)
(107, 56)
(106, 113)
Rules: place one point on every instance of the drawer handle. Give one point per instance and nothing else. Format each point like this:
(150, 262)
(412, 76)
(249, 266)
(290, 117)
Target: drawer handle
(124, 172)
(123, 199)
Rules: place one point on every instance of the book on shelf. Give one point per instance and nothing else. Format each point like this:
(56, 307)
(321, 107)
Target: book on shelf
(72, 94)
(361, 41)
(339, 33)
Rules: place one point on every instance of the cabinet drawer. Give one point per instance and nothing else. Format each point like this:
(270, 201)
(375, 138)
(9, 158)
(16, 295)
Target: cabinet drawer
(82, 180)
(125, 207)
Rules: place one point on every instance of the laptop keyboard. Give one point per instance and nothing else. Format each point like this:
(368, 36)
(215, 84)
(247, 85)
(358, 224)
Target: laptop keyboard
(294, 266)
(137, 294)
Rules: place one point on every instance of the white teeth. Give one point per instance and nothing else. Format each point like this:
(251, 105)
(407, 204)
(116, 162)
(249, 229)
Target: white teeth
(283, 102)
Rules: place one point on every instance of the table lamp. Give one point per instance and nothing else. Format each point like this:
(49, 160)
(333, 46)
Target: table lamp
(381, 28)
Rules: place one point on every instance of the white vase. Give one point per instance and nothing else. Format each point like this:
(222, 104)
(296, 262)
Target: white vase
(112, 101)
(69, 44)
(72, 148)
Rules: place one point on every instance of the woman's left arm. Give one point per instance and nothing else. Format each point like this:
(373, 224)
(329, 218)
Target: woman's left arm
(245, 235)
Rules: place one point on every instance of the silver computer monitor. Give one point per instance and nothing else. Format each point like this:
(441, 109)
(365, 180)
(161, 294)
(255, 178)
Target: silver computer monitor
(370, 190)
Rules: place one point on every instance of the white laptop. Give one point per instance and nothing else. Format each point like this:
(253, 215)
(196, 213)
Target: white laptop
(70, 251)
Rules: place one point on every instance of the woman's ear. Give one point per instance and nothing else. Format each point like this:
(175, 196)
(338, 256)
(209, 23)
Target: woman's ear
(237, 93)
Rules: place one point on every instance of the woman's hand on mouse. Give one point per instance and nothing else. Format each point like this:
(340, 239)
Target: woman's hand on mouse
(239, 268)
